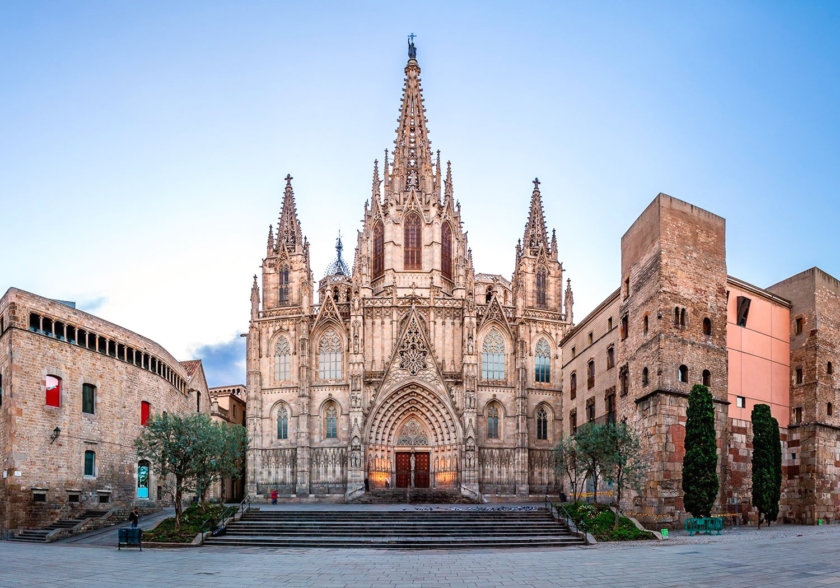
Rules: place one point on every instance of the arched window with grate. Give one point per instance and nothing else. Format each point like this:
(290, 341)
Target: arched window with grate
(282, 423)
(412, 259)
(284, 284)
(378, 250)
(331, 421)
(493, 356)
(329, 356)
(282, 358)
(542, 424)
(541, 286)
(446, 251)
(542, 360)
(493, 422)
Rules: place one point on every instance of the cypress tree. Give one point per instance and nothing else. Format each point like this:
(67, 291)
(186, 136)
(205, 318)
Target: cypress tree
(763, 463)
(776, 441)
(699, 475)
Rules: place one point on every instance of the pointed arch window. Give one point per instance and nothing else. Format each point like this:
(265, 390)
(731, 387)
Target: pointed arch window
(282, 423)
(329, 356)
(282, 357)
(541, 286)
(542, 361)
(493, 422)
(542, 424)
(493, 357)
(412, 237)
(331, 421)
(378, 250)
(284, 284)
(446, 251)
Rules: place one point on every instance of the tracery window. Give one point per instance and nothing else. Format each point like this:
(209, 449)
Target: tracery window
(282, 423)
(541, 286)
(542, 424)
(493, 357)
(331, 422)
(413, 250)
(378, 250)
(446, 251)
(543, 362)
(282, 358)
(493, 422)
(329, 356)
(284, 284)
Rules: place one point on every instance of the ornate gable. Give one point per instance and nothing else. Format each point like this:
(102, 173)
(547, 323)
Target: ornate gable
(413, 358)
(328, 312)
(496, 313)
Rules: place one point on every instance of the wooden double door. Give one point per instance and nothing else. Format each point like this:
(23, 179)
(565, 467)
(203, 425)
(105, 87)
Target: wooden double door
(421, 469)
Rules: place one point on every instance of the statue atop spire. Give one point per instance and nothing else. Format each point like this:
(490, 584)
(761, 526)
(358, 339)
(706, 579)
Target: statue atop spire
(412, 50)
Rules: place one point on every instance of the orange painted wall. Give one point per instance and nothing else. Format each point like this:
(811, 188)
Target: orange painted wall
(759, 356)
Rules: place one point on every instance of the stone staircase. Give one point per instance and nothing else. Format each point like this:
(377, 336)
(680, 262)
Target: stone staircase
(466, 527)
(42, 535)
(412, 496)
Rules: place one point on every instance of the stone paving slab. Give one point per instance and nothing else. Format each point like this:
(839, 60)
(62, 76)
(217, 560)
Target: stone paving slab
(783, 555)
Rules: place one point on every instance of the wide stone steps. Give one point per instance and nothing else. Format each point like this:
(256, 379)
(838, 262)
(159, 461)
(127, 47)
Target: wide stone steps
(40, 535)
(31, 536)
(397, 529)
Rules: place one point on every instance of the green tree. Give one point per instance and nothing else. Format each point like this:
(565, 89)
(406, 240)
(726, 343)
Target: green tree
(566, 463)
(776, 440)
(766, 478)
(222, 450)
(623, 465)
(171, 443)
(592, 442)
(699, 476)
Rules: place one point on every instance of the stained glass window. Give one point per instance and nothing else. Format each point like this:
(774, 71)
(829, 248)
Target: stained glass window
(446, 251)
(282, 424)
(493, 357)
(542, 424)
(493, 422)
(412, 259)
(378, 250)
(329, 356)
(284, 284)
(282, 358)
(331, 422)
(542, 362)
(541, 286)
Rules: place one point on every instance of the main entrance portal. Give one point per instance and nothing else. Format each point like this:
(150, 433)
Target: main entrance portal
(409, 463)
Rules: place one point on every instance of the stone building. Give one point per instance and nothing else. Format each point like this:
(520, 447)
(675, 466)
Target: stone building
(228, 406)
(412, 370)
(679, 319)
(75, 391)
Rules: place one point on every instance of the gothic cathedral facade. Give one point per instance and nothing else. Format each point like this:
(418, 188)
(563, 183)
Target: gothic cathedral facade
(413, 370)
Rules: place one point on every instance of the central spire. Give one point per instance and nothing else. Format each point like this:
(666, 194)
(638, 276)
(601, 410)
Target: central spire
(412, 149)
(535, 235)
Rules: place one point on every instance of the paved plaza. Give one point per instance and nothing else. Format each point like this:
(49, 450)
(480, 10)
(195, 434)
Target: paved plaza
(778, 556)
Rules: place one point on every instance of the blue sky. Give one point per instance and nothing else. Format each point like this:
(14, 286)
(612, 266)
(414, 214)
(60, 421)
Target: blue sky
(144, 145)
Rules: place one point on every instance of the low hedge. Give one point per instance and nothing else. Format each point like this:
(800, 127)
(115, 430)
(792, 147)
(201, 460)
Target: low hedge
(599, 520)
(191, 520)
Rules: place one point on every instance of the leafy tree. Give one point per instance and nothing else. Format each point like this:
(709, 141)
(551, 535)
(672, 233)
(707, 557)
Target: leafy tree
(766, 476)
(623, 466)
(171, 443)
(699, 476)
(592, 442)
(220, 456)
(566, 460)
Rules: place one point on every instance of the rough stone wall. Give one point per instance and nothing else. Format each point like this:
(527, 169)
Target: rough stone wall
(815, 298)
(673, 257)
(32, 459)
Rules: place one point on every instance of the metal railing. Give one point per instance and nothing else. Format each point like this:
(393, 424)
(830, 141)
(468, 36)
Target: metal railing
(231, 511)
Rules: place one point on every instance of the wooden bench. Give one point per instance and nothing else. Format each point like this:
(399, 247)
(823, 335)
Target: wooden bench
(132, 537)
(705, 525)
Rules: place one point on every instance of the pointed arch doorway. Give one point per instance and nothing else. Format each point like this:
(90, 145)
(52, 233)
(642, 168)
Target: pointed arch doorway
(413, 441)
